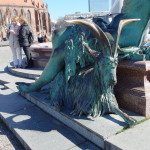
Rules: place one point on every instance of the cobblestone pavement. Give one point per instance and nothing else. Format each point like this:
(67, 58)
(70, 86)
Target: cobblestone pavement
(7, 140)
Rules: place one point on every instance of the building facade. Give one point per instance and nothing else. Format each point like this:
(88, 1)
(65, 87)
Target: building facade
(35, 11)
(85, 15)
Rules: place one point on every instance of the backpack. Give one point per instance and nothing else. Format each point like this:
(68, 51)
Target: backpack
(30, 37)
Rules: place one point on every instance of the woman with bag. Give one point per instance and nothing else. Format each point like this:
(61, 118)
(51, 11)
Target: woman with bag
(24, 41)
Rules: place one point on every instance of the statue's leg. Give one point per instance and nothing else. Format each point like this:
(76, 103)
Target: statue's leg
(55, 65)
(129, 120)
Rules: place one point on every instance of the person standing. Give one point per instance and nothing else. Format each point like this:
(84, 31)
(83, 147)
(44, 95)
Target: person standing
(13, 31)
(24, 41)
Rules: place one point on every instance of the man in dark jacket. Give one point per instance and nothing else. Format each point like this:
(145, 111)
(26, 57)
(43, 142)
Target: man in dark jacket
(24, 42)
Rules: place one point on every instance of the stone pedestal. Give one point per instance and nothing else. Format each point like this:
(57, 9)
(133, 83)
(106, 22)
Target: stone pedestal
(133, 88)
(41, 54)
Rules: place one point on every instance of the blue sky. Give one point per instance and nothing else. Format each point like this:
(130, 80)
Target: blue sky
(59, 8)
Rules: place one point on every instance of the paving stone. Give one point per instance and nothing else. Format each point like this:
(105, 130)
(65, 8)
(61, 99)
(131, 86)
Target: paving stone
(11, 102)
(7, 140)
(136, 138)
(32, 73)
(41, 131)
(86, 146)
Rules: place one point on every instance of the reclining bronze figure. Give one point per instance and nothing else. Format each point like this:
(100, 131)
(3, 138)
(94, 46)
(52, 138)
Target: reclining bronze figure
(82, 69)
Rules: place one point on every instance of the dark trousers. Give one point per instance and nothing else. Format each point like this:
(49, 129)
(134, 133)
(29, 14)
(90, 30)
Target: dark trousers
(28, 55)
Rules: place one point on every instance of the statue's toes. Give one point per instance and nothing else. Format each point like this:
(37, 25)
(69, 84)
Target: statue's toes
(131, 122)
(18, 87)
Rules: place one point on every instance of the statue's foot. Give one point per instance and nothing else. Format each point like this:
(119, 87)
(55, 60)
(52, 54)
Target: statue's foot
(23, 88)
(131, 122)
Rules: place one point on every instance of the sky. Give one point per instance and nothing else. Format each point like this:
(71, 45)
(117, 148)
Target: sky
(60, 8)
(100, 5)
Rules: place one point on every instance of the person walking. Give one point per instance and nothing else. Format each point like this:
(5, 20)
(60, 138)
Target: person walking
(14, 43)
(24, 41)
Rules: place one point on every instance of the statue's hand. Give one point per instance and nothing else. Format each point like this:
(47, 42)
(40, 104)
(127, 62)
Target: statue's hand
(24, 87)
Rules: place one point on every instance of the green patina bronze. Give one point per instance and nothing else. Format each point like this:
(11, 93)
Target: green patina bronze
(82, 69)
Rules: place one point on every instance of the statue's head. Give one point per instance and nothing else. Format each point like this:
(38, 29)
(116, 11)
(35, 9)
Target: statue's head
(105, 69)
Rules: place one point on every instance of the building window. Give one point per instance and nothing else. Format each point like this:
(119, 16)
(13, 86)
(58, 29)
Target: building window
(37, 21)
(15, 12)
(29, 17)
(0, 16)
(22, 13)
(44, 21)
(7, 11)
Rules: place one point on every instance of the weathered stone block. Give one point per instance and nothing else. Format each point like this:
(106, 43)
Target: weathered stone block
(133, 86)
(41, 56)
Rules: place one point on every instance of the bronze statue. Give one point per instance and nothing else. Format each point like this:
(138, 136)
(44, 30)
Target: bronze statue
(82, 79)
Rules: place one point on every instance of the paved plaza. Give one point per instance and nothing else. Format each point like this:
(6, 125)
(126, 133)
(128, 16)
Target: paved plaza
(24, 126)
